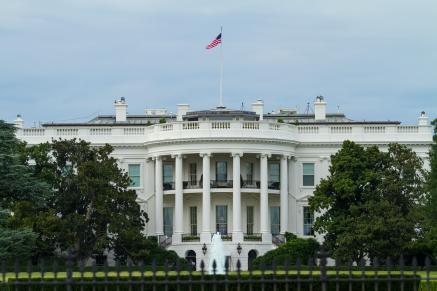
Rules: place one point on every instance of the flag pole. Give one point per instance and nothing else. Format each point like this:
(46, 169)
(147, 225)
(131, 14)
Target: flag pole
(221, 67)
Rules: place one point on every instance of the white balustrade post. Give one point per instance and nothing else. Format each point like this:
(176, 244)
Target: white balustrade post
(264, 201)
(159, 216)
(237, 233)
(284, 194)
(179, 200)
(205, 235)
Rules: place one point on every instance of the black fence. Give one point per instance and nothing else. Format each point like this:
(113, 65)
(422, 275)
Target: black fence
(280, 275)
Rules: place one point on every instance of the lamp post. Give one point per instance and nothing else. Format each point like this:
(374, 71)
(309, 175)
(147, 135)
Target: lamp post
(239, 248)
(204, 249)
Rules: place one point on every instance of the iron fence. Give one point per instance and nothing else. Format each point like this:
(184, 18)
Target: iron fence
(316, 274)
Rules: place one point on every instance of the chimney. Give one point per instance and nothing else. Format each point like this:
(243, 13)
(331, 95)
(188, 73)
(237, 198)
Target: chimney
(120, 110)
(319, 108)
(19, 122)
(258, 108)
(182, 110)
(423, 119)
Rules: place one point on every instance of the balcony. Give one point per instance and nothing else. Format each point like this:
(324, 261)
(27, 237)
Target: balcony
(221, 184)
(192, 184)
(252, 237)
(168, 186)
(252, 184)
(188, 237)
(274, 185)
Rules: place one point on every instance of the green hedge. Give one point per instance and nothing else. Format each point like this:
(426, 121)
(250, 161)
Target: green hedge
(184, 283)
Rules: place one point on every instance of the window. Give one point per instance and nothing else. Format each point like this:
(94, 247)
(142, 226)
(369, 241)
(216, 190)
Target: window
(275, 220)
(168, 173)
(168, 221)
(274, 172)
(221, 171)
(308, 174)
(249, 214)
(249, 173)
(134, 175)
(168, 177)
(193, 173)
(193, 220)
(221, 218)
(308, 220)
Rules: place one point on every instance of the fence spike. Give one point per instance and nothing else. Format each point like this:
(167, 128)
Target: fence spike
(214, 266)
(202, 266)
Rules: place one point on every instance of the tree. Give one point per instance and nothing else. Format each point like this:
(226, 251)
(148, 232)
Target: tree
(430, 209)
(92, 210)
(17, 186)
(367, 204)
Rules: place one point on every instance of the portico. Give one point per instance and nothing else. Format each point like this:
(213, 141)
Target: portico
(259, 175)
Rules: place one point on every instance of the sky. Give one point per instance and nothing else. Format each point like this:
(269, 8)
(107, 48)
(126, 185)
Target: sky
(67, 61)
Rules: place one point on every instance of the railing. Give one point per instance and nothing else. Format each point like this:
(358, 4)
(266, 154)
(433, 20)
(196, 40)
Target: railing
(252, 237)
(168, 186)
(278, 239)
(100, 131)
(221, 184)
(341, 129)
(133, 131)
(250, 184)
(164, 241)
(188, 237)
(374, 129)
(277, 274)
(274, 185)
(192, 185)
(67, 131)
(308, 129)
(33, 132)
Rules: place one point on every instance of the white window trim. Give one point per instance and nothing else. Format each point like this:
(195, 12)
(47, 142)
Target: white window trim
(128, 162)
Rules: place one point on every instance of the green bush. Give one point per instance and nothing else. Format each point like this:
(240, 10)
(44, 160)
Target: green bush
(295, 248)
(196, 282)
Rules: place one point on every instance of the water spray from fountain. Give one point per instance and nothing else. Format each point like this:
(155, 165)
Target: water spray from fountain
(217, 255)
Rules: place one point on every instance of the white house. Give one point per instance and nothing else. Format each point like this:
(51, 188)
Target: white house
(245, 174)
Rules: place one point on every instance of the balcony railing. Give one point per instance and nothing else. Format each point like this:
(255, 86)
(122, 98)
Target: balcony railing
(250, 184)
(274, 185)
(221, 184)
(252, 237)
(168, 186)
(192, 185)
(188, 237)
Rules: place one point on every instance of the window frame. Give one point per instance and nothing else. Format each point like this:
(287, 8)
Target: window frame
(217, 172)
(140, 171)
(306, 224)
(193, 221)
(306, 175)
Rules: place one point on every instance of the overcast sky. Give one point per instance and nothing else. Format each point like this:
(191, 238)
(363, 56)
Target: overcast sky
(68, 60)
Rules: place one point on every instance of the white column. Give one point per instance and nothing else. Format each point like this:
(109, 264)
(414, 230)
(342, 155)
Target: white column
(237, 233)
(179, 201)
(205, 235)
(159, 216)
(264, 201)
(284, 194)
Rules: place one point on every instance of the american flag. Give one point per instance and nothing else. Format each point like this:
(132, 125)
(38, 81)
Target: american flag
(215, 42)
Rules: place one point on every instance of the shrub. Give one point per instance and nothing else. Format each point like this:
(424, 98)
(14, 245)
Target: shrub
(295, 248)
(162, 120)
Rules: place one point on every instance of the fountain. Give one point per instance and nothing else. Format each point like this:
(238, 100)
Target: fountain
(217, 255)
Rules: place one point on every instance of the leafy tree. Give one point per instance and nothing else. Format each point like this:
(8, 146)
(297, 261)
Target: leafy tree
(367, 203)
(295, 248)
(92, 210)
(430, 209)
(17, 186)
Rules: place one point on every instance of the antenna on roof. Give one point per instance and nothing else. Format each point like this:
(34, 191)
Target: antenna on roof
(338, 108)
(242, 105)
(308, 109)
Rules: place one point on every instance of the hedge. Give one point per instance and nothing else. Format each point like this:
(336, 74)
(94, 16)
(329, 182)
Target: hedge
(184, 282)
